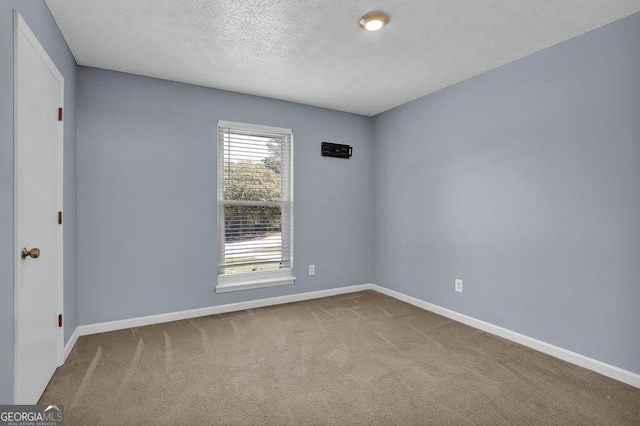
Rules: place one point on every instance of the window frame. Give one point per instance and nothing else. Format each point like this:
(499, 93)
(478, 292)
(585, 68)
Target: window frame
(251, 280)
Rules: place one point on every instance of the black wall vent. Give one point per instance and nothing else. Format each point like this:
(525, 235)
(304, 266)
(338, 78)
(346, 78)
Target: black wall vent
(336, 150)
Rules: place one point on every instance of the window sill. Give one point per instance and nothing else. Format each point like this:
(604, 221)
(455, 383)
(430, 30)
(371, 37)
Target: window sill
(228, 283)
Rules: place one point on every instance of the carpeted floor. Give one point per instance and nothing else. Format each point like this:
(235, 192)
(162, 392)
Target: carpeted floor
(356, 359)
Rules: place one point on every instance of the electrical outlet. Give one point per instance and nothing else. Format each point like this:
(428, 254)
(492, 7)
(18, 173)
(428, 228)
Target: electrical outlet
(312, 269)
(459, 286)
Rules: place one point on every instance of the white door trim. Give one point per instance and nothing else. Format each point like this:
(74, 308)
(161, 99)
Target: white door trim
(21, 27)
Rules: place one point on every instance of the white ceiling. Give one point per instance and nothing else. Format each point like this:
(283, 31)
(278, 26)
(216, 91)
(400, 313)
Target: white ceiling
(313, 51)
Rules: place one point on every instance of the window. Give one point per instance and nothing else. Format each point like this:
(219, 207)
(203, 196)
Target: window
(255, 208)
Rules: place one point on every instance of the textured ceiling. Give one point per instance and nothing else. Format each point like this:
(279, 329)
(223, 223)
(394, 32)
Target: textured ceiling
(313, 51)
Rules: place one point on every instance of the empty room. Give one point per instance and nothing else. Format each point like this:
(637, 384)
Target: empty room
(338, 212)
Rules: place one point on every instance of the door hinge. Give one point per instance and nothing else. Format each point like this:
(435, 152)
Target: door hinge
(59, 218)
(60, 320)
(59, 114)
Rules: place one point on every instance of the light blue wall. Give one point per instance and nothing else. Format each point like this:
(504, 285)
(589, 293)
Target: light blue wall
(37, 16)
(525, 183)
(147, 195)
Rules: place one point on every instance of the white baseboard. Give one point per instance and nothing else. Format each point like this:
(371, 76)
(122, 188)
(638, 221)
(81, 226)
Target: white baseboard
(70, 344)
(608, 370)
(103, 327)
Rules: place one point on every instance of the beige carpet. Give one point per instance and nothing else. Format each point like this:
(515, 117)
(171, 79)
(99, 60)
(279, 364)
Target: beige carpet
(357, 359)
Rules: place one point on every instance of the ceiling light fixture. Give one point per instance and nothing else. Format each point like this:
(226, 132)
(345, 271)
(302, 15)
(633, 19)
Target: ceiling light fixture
(373, 21)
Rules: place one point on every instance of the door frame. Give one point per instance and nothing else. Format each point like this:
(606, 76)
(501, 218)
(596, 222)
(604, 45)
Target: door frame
(21, 27)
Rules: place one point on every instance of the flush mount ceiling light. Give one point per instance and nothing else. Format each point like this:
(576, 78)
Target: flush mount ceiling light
(373, 21)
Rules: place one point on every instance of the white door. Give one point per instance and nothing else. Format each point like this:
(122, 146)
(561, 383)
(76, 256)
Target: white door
(38, 93)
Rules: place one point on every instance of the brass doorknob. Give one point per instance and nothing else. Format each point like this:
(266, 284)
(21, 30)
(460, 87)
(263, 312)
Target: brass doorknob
(34, 253)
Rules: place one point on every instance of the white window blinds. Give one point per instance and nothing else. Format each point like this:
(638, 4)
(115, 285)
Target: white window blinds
(254, 199)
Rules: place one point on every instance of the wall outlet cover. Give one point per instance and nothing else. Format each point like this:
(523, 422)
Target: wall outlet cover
(459, 286)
